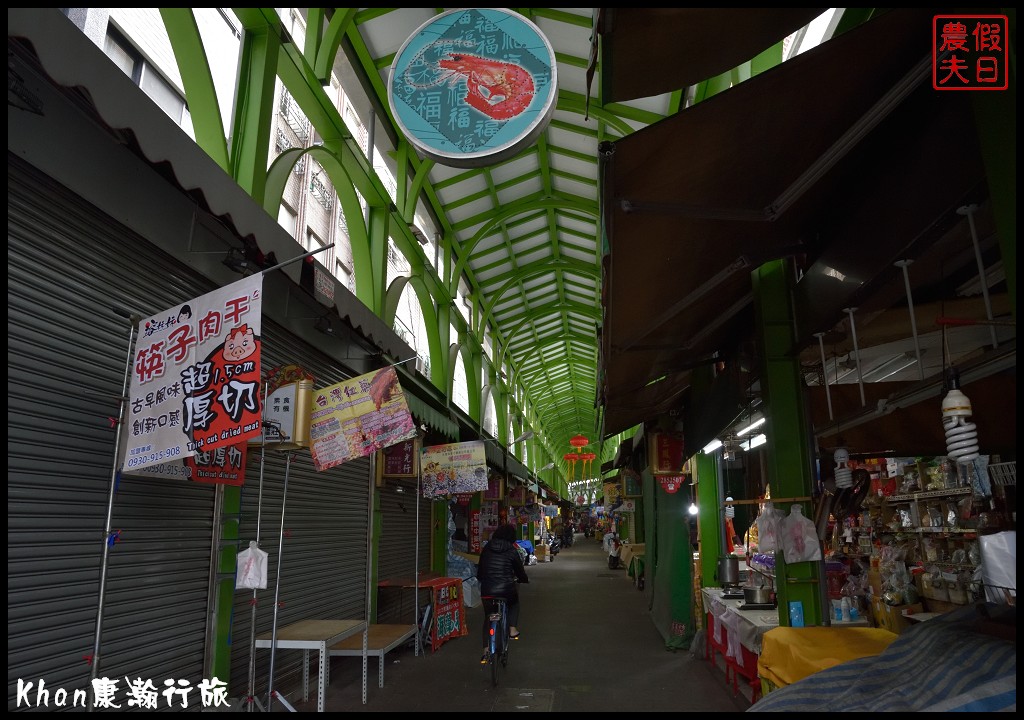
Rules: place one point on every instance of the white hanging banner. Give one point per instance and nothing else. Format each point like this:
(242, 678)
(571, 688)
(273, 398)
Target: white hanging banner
(196, 377)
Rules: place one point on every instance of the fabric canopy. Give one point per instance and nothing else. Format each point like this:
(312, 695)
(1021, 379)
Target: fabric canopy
(651, 51)
(837, 153)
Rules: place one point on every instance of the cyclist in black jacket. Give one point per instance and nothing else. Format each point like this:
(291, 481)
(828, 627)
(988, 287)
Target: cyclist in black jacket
(500, 568)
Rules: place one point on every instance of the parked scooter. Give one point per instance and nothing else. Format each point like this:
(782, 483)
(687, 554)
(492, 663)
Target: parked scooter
(554, 545)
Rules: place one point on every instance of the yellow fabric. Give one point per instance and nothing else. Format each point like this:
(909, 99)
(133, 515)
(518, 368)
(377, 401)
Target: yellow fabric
(789, 654)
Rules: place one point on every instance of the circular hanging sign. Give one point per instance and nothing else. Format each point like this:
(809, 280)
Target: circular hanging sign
(473, 86)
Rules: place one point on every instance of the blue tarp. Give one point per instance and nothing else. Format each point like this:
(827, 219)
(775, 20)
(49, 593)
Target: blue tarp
(525, 545)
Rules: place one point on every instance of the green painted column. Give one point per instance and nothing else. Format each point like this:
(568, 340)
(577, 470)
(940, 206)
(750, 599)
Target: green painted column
(788, 447)
(224, 586)
(709, 518)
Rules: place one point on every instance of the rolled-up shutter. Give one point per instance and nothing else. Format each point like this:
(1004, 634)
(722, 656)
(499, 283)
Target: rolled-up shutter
(67, 264)
(323, 568)
(397, 547)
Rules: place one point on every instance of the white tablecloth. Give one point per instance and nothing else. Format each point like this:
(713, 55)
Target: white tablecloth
(745, 627)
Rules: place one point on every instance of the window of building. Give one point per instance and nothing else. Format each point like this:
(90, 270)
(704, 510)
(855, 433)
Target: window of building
(343, 273)
(288, 219)
(130, 60)
(315, 242)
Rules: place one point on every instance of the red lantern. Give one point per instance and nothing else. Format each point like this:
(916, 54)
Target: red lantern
(579, 441)
(572, 458)
(587, 457)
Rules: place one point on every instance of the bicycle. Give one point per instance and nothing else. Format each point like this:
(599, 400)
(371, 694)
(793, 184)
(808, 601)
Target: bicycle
(498, 645)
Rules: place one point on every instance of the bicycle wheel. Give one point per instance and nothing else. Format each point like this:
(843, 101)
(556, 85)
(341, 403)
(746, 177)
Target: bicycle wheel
(494, 655)
(506, 639)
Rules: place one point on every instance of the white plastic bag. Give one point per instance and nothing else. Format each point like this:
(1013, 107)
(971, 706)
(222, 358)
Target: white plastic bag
(251, 570)
(471, 592)
(768, 529)
(799, 537)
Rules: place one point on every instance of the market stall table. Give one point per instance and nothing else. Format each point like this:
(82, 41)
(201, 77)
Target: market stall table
(448, 611)
(632, 556)
(738, 634)
(380, 640)
(318, 635)
(789, 654)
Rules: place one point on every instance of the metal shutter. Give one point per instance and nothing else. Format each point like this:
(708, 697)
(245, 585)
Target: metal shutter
(323, 574)
(67, 264)
(396, 555)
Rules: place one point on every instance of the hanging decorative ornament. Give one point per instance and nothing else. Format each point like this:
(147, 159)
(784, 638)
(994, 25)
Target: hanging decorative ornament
(572, 458)
(671, 483)
(579, 441)
(588, 463)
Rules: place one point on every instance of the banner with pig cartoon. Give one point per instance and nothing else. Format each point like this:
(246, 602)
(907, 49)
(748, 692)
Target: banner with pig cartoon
(196, 377)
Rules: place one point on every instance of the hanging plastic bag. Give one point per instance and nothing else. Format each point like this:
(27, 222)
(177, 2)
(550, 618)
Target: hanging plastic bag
(251, 570)
(768, 529)
(799, 537)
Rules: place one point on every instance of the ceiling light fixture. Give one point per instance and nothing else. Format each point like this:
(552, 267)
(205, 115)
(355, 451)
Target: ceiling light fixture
(961, 434)
(711, 446)
(756, 441)
(752, 426)
(525, 436)
(890, 367)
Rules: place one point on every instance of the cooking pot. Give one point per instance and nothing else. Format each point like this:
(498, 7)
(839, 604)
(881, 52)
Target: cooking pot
(758, 595)
(728, 571)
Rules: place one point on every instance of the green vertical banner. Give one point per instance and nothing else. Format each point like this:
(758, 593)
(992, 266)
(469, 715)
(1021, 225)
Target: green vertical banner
(672, 604)
(709, 517)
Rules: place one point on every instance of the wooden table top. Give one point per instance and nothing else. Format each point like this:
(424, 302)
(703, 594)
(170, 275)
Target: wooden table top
(378, 636)
(314, 631)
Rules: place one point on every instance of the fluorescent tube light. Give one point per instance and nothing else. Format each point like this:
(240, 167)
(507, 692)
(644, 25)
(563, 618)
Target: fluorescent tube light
(751, 426)
(711, 446)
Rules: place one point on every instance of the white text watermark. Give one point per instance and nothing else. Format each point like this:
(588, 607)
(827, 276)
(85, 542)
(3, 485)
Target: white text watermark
(138, 693)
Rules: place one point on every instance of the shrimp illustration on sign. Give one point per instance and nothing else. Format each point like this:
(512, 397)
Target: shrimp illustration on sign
(499, 90)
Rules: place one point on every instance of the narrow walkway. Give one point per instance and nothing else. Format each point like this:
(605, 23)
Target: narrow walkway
(588, 644)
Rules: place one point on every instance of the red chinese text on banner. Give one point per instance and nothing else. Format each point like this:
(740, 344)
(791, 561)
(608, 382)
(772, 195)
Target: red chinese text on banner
(196, 377)
(667, 455)
(449, 613)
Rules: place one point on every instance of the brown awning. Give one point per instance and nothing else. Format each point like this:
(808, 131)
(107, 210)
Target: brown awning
(836, 147)
(890, 428)
(651, 51)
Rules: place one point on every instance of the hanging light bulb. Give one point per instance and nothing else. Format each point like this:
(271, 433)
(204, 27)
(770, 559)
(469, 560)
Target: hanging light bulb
(961, 435)
(844, 475)
(730, 511)
(693, 508)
